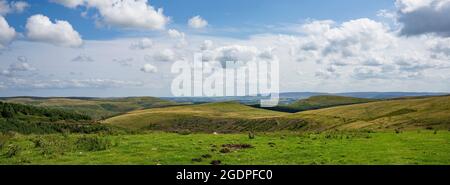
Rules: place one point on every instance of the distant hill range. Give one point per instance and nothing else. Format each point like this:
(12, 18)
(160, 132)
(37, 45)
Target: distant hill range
(290, 97)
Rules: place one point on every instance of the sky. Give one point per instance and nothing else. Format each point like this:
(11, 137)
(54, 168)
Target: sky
(128, 47)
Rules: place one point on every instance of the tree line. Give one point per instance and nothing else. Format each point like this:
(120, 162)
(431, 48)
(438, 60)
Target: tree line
(12, 110)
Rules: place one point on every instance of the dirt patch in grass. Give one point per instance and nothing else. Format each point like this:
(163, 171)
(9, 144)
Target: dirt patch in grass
(206, 156)
(237, 146)
(225, 150)
(216, 162)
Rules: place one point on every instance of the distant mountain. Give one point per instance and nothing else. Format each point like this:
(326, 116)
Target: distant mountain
(388, 95)
(290, 97)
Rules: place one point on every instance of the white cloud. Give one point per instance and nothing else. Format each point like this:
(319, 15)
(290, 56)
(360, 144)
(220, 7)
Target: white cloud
(365, 49)
(142, 44)
(135, 14)
(236, 53)
(20, 6)
(197, 22)
(7, 33)
(21, 66)
(424, 16)
(61, 33)
(69, 3)
(166, 55)
(344, 44)
(82, 58)
(17, 67)
(148, 68)
(406, 6)
(12, 7)
(355, 55)
(327, 74)
(440, 48)
(207, 45)
(363, 73)
(386, 14)
(175, 34)
(94, 83)
(180, 36)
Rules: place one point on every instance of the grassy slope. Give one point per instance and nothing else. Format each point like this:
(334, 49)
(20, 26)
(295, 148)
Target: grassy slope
(317, 102)
(220, 117)
(410, 113)
(433, 112)
(27, 119)
(95, 107)
(411, 147)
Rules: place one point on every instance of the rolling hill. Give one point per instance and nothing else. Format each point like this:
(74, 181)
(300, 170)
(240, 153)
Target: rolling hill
(27, 119)
(410, 113)
(97, 108)
(317, 102)
(407, 113)
(210, 117)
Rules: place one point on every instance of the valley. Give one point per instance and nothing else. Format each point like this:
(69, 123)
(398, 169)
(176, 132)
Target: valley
(324, 130)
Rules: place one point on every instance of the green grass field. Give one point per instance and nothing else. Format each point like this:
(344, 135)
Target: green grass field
(412, 147)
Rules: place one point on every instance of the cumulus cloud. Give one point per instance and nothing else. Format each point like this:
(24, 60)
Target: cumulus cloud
(135, 14)
(440, 48)
(142, 44)
(234, 53)
(207, 45)
(180, 36)
(166, 55)
(412, 63)
(386, 14)
(69, 3)
(424, 16)
(197, 22)
(175, 34)
(12, 7)
(82, 58)
(18, 67)
(329, 73)
(7, 33)
(344, 44)
(363, 73)
(148, 68)
(61, 33)
(366, 49)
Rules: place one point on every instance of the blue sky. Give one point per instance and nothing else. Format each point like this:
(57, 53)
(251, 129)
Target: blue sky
(255, 14)
(128, 47)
